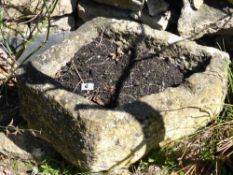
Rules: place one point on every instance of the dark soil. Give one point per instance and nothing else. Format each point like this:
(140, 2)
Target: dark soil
(120, 75)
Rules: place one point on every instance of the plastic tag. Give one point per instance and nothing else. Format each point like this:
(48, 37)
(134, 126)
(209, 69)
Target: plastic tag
(87, 86)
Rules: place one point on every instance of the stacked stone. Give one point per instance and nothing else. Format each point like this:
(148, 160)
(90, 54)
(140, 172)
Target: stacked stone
(154, 13)
(212, 17)
(20, 17)
(197, 17)
(24, 16)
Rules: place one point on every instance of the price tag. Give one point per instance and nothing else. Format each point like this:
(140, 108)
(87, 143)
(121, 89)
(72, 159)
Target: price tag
(87, 86)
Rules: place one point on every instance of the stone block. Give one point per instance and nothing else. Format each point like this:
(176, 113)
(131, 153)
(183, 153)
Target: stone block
(134, 5)
(156, 6)
(88, 10)
(213, 17)
(18, 9)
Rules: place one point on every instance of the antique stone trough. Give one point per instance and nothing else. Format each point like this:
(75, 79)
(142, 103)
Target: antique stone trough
(100, 139)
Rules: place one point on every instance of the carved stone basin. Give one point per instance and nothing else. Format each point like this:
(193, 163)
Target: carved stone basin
(98, 139)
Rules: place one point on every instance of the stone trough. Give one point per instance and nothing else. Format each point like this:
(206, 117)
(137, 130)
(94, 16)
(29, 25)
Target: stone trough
(100, 139)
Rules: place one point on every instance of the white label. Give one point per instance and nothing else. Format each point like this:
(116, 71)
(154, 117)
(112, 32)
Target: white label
(87, 86)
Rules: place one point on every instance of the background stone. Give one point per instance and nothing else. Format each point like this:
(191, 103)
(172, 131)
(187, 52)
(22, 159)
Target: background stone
(134, 5)
(24, 8)
(10, 149)
(156, 6)
(159, 22)
(88, 10)
(213, 17)
(66, 23)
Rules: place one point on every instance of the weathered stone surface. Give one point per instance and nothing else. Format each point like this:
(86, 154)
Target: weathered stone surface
(10, 149)
(13, 29)
(100, 139)
(11, 13)
(134, 5)
(20, 153)
(159, 22)
(17, 9)
(66, 23)
(212, 17)
(88, 10)
(16, 33)
(156, 6)
(21, 15)
(24, 147)
(54, 38)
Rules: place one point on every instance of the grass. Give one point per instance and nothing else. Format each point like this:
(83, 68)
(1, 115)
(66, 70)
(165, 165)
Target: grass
(52, 167)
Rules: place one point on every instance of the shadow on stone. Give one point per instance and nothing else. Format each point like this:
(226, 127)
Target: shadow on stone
(220, 5)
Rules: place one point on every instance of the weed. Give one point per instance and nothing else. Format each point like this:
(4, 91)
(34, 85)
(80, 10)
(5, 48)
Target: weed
(54, 167)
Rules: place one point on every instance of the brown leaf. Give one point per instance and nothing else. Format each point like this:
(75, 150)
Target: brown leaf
(98, 100)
